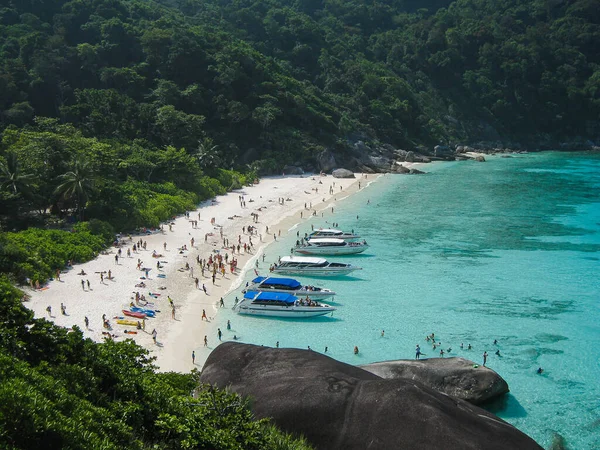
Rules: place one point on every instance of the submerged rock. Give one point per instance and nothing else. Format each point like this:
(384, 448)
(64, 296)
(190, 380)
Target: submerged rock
(342, 173)
(457, 377)
(339, 406)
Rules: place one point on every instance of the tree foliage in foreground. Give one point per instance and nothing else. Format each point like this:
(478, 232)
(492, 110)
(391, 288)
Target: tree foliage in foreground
(60, 390)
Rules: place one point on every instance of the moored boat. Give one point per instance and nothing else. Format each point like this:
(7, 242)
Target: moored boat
(330, 246)
(289, 286)
(310, 266)
(278, 304)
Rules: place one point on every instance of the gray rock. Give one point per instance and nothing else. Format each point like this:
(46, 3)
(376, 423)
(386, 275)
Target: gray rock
(460, 149)
(342, 173)
(441, 150)
(453, 376)
(414, 171)
(339, 406)
(480, 158)
(410, 156)
(293, 170)
(399, 168)
(326, 161)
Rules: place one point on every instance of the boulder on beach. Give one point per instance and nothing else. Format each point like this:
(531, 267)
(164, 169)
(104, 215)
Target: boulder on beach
(339, 406)
(480, 158)
(293, 170)
(342, 173)
(457, 377)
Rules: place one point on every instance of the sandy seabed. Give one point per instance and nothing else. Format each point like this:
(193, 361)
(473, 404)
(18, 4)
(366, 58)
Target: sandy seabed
(178, 337)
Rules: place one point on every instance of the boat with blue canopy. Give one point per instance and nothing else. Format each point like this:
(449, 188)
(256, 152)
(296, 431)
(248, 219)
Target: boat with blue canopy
(289, 286)
(279, 304)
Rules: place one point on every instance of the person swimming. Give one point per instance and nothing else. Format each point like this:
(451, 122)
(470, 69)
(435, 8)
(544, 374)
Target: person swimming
(540, 370)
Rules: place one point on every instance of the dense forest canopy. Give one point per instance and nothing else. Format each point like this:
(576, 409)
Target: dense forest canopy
(277, 81)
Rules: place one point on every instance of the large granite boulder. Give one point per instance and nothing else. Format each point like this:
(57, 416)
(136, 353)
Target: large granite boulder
(293, 170)
(441, 150)
(342, 173)
(339, 406)
(457, 377)
(326, 161)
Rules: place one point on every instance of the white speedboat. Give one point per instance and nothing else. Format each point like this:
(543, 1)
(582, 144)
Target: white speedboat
(304, 265)
(330, 246)
(278, 304)
(289, 286)
(332, 233)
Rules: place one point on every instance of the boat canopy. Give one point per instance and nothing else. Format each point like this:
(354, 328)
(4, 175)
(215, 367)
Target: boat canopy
(327, 241)
(270, 297)
(327, 230)
(303, 259)
(289, 282)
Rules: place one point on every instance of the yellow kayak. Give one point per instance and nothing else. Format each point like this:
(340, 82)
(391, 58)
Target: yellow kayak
(126, 322)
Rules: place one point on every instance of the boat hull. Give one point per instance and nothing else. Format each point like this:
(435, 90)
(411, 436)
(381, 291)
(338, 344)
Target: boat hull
(301, 293)
(350, 250)
(314, 272)
(290, 312)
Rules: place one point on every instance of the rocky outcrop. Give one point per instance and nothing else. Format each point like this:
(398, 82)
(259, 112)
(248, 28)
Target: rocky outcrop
(326, 161)
(293, 170)
(399, 168)
(441, 151)
(342, 173)
(457, 377)
(339, 406)
(480, 158)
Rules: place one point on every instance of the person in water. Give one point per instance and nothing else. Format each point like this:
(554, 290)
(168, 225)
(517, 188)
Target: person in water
(539, 371)
(356, 350)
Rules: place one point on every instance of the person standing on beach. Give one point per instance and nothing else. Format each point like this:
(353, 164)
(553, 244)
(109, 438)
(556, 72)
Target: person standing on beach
(219, 333)
(193, 357)
(222, 303)
(49, 310)
(228, 325)
(87, 322)
(205, 341)
(204, 315)
(83, 285)
(485, 355)
(154, 334)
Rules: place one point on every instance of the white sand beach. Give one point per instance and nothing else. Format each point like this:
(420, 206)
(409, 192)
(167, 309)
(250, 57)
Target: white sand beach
(178, 337)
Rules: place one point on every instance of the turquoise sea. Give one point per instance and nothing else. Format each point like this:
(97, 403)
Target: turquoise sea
(508, 249)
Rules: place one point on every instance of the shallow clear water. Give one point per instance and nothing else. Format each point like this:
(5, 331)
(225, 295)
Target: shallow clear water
(508, 250)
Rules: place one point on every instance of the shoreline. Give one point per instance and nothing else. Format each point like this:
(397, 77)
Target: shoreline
(178, 337)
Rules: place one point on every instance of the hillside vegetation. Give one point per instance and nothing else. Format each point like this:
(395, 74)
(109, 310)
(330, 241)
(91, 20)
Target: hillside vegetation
(277, 81)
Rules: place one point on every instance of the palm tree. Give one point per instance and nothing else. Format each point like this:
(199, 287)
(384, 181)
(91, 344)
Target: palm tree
(208, 155)
(11, 177)
(77, 183)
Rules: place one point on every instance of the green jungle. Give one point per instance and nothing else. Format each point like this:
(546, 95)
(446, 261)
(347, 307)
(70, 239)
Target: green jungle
(117, 115)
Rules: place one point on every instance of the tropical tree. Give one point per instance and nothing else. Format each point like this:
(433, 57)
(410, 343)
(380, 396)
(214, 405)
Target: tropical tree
(77, 183)
(12, 179)
(208, 154)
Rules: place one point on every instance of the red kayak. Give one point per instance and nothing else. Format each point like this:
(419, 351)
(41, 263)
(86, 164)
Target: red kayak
(134, 314)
